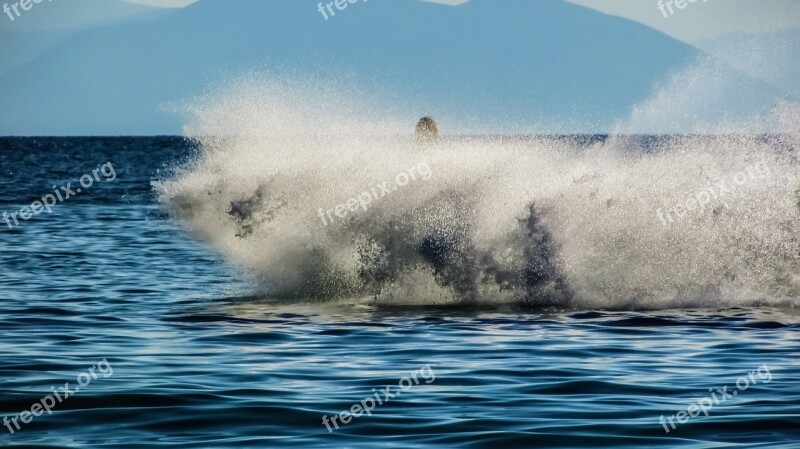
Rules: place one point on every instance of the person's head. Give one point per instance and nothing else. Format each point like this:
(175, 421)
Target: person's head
(426, 130)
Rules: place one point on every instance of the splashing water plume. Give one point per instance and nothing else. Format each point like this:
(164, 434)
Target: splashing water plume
(567, 222)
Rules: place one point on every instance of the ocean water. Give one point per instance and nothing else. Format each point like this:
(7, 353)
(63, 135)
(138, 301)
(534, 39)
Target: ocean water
(212, 318)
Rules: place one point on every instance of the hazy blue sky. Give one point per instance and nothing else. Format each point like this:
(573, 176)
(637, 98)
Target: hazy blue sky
(706, 18)
(125, 76)
(701, 20)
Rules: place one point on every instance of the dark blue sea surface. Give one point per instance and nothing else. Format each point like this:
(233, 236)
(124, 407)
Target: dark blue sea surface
(189, 356)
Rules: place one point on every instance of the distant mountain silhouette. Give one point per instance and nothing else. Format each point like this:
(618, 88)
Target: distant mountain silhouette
(543, 66)
(47, 24)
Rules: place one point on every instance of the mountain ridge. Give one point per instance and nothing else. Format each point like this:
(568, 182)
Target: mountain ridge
(546, 66)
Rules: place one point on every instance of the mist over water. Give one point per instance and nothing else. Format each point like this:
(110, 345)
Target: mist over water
(570, 222)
